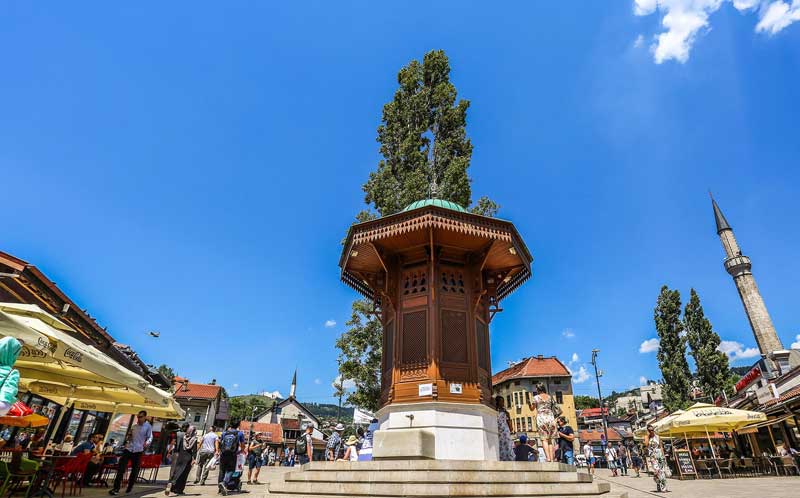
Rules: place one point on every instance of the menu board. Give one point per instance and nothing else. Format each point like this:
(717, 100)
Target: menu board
(684, 459)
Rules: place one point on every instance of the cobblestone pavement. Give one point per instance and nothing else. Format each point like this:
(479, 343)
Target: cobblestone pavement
(740, 487)
(643, 487)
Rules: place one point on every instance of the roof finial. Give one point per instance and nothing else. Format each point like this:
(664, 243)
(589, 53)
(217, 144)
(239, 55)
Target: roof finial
(293, 389)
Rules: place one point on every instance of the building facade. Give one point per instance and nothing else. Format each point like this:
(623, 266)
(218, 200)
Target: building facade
(203, 404)
(517, 385)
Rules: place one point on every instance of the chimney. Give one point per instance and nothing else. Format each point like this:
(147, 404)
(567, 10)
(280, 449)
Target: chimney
(540, 357)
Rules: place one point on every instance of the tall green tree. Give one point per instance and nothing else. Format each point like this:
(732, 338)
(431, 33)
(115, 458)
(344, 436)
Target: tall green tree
(426, 153)
(713, 370)
(167, 372)
(672, 350)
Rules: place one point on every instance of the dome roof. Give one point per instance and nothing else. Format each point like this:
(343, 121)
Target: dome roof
(435, 202)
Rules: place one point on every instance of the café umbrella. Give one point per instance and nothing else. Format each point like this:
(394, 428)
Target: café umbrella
(703, 417)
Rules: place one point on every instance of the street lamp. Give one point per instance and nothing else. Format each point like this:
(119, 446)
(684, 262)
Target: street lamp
(597, 375)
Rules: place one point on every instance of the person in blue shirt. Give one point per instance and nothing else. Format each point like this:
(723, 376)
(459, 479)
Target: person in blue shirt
(91, 445)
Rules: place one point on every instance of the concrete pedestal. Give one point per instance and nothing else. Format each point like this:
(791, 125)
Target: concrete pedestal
(436, 431)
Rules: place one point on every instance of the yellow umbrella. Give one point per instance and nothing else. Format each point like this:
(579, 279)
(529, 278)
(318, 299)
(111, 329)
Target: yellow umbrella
(50, 354)
(704, 417)
(658, 425)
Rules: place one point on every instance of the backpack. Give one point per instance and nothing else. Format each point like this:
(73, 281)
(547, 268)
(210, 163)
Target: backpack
(229, 442)
(301, 445)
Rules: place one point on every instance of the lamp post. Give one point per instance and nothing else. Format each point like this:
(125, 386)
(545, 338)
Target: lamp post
(597, 375)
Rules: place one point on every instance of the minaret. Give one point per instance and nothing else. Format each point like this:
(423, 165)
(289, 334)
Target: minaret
(738, 266)
(293, 389)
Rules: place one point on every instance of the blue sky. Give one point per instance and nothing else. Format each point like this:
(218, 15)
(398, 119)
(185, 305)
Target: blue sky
(191, 168)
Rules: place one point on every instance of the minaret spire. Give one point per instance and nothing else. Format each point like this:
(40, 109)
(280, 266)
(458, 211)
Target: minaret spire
(293, 389)
(739, 266)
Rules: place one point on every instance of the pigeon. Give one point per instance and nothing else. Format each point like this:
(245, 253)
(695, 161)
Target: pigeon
(154, 334)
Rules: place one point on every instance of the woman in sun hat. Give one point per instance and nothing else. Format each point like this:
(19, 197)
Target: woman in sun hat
(351, 454)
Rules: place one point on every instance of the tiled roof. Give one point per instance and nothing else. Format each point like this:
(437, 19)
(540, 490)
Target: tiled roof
(592, 412)
(784, 397)
(594, 435)
(197, 391)
(534, 366)
(272, 432)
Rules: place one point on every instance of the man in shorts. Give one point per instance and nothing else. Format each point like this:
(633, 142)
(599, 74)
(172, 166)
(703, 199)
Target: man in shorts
(589, 454)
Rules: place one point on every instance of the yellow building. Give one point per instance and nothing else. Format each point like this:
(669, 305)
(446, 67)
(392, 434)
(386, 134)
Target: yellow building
(517, 385)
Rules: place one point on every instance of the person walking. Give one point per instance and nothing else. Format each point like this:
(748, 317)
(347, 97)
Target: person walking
(255, 458)
(183, 457)
(588, 453)
(545, 420)
(208, 448)
(140, 438)
(636, 459)
(229, 445)
(655, 459)
(506, 444)
(565, 438)
(611, 459)
(622, 458)
(333, 450)
(304, 446)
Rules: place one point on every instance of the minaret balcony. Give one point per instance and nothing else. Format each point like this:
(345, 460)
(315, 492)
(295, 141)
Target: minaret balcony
(738, 265)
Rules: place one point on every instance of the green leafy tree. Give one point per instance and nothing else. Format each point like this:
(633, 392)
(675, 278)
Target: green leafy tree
(713, 370)
(242, 407)
(583, 402)
(167, 372)
(672, 350)
(360, 356)
(426, 153)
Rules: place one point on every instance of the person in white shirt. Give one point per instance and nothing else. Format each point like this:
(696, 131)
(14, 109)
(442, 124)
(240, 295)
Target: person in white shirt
(589, 454)
(208, 448)
(611, 460)
(140, 438)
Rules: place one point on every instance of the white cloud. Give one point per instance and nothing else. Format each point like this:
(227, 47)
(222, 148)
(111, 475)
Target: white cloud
(581, 376)
(317, 381)
(777, 16)
(348, 383)
(638, 42)
(574, 358)
(235, 387)
(568, 333)
(642, 380)
(330, 323)
(683, 20)
(737, 351)
(796, 343)
(649, 346)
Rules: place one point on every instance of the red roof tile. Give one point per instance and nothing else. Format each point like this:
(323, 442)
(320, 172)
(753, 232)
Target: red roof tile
(592, 412)
(199, 391)
(594, 435)
(784, 397)
(535, 366)
(273, 433)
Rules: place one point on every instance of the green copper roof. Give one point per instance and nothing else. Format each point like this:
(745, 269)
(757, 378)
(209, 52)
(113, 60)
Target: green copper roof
(435, 202)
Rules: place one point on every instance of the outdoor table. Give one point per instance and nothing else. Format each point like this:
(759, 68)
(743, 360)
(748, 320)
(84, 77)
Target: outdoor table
(49, 465)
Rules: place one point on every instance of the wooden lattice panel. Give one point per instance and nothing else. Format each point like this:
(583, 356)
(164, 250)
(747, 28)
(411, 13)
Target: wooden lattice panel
(454, 336)
(414, 282)
(482, 335)
(388, 352)
(452, 281)
(415, 337)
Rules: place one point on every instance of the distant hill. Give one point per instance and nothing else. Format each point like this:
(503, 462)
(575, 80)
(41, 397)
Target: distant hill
(241, 408)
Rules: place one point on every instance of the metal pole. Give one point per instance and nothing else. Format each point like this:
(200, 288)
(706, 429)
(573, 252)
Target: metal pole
(599, 395)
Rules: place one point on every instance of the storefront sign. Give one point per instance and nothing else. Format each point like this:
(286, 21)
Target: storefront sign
(750, 377)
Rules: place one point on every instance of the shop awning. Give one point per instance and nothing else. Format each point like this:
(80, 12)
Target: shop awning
(53, 363)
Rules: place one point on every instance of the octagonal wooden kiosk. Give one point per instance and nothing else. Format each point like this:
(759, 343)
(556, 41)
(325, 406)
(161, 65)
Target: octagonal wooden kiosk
(436, 275)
